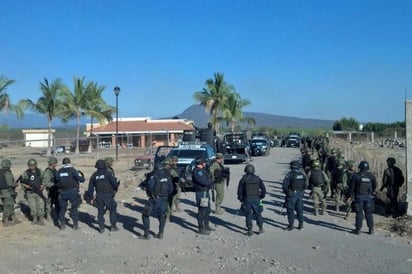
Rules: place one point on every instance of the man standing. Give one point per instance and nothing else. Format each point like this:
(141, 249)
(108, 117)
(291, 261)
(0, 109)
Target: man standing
(33, 187)
(319, 185)
(7, 193)
(340, 180)
(362, 188)
(392, 180)
(174, 198)
(67, 183)
(249, 192)
(294, 185)
(202, 183)
(49, 181)
(106, 185)
(217, 172)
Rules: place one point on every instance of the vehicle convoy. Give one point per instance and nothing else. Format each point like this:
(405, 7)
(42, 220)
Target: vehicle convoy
(259, 146)
(293, 140)
(235, 147)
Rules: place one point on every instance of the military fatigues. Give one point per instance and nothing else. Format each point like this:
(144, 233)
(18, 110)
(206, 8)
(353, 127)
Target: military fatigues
(106, 186)
(174, 197)
(249, 192)
(30, 180)
(294, 185)
(159, 188)
(340, 180)
(392, 180)
(319, 184)
(217, 172)
(49, 181)
(67, 183)
(7, 195)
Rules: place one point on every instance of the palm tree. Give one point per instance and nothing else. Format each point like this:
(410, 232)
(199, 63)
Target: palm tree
(213, 96)
(232, 111)
(48, 104)
(5, 99)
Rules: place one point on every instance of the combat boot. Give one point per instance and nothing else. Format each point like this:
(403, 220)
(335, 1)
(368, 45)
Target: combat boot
(371, 231)
(209, 228)
(300, 227)
(34, 221)
(249, 232)
(218, 210)
(178, 208)
(203, 231)
(101, 230)
(159, 236)
(261, 231)
(324, 212)
(315, 212)
(41, 221)
(289, 228)
(15, 220)
(337, 209)
(114, 228)
(7, 223)
(144, 237)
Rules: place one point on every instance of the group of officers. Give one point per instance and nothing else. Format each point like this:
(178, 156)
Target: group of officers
(162, 187)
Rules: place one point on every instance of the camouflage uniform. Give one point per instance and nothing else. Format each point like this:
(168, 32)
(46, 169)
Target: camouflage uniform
(172, 199)
(216, 171)
(32, 176)
(109, 165)
(340, 180)
(350, 170)
(178, 190)
(49, 181)
(7, 193)
(319, 185)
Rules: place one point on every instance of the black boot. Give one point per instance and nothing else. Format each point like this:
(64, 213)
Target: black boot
(249, 232)
(144, 237)
(203, 231)
(261, 231)
(209, 228)
(300, 226)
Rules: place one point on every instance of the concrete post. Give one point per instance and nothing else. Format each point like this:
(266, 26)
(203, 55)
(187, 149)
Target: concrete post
(408, 120)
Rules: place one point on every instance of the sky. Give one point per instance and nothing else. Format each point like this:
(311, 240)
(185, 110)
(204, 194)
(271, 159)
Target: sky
(320, 59)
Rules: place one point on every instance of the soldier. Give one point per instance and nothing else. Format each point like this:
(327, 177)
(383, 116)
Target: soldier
(202, 183)
(330, 166)
(350, 170)
(177, 181)
(250, 192)
(340, 180)
(109, 164)
(106, 185)
(319, 185)
(67, 183)
(49, 181)
(294, 185)
(159, 187)
(7, 193)
(306, 159)
(217, 171)
(392, 180)
(33, 188)
(362, 189)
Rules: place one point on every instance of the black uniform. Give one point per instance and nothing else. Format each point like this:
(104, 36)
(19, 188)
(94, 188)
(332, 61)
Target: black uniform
(392, 180)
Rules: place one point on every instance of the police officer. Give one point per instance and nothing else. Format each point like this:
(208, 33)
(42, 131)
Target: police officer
(49, 181)
(250, 192)
(7, 193)
(202, 182)
(318, 184)
(67, 183)
(217, 172)
(294, 185)
(33, 188)
(363, 186)
(392, 180)
(106, 185)
(159, 188)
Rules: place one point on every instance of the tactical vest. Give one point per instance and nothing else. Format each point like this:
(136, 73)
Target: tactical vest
(34, 177)
(364, 185)
(162, 183)
(102, 183)
(338, 175)
(219, 173)
(251, 186)
(3, 182)
(65, 178)
(296, 181)
(316, 178)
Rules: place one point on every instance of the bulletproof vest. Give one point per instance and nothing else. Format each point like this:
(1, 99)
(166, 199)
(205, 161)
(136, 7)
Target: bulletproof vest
(296, 181)
(162, 183)
(316, 177)
(338, 175)
(3, 183)
(34, 177)
(219, 173)
(65, 178)
(102, 182)
(332, 163)
(364, 185)
(251, 185)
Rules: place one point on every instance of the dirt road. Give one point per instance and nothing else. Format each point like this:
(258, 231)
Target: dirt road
(324, 246)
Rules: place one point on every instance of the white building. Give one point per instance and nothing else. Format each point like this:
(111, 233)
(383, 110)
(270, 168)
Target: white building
(37, 137)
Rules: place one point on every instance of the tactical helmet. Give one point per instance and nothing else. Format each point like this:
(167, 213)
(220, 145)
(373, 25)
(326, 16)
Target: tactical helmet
(66, 161)
(200, 161)
(391, 161)
(315, 163)
(341, 162)
(363, 166)
(100, 164)
(294, 165)
(32, 162)
(219, 155)
(109, 160)
(166, 162)
(333, 151)
(5, 163)
(249, 168)
(52, 160)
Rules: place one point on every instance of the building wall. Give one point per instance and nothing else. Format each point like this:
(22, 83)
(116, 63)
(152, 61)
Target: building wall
(37, 140)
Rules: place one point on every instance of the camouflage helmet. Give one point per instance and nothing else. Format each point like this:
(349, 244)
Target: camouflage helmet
(6, 163)
(166, 162)
(350, 163)
(52, 160)
(391, 161)
(341, 162)
(174, 158)
(315, 163)
(109, 160)
(363, 166)
(249, 168)
(32, 162)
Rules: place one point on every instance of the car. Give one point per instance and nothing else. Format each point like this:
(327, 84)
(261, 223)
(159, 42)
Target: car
(259, 147)
(59, 149)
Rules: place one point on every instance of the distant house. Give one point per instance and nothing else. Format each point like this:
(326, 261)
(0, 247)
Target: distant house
(139, 132)
(37, 137)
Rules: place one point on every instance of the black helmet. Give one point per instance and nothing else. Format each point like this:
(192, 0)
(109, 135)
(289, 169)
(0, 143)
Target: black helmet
(363, 166)
(249, 168)
(200, 161)
(294, 165)
(100, 164)
(66, 161)
(391, 161)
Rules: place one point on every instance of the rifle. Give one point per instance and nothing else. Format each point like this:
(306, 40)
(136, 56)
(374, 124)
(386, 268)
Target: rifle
(213, 192)
(34, 188)
(226, 174)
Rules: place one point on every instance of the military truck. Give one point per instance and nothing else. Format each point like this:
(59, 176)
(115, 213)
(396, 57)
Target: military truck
(235, 147)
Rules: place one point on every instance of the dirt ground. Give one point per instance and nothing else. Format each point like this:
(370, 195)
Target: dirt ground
(324, 246)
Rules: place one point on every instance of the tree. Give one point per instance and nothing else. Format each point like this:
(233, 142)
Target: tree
(213, 96)
(48, 104)
(232, 111)
(5, 98)
(346, 124)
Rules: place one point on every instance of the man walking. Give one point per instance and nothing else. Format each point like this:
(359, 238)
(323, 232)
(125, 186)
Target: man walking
(392, 180)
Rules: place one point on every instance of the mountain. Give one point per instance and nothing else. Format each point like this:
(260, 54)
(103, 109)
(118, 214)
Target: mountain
(198, 114)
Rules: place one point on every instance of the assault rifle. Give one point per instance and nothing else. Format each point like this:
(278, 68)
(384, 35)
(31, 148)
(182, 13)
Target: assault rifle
(34, 188)
(213, 192)
(226, 175)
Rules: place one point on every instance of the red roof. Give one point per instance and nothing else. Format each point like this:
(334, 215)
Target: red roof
(144, 126)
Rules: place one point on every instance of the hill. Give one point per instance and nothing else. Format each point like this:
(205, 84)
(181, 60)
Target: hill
(198, 114)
